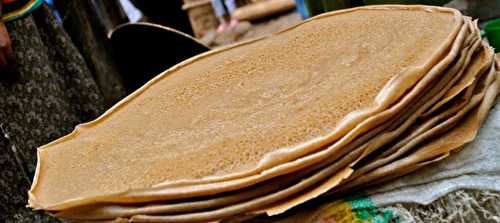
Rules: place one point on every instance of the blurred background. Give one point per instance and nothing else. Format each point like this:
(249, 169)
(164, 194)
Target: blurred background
(260, 17)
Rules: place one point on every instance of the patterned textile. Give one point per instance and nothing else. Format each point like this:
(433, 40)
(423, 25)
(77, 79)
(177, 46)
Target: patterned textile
(51, 93)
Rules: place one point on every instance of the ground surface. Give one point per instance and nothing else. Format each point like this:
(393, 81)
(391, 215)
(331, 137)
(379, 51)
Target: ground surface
(247, 30)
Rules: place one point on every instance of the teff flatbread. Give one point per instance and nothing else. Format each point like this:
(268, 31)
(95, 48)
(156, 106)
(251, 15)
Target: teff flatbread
(240, 110)
(392, 152)
(422, 157)
(480, 65)
(331, 152)
(110, 211)
(462, 132)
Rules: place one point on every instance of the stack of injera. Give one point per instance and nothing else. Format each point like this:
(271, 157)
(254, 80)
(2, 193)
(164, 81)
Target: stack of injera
(342, 101)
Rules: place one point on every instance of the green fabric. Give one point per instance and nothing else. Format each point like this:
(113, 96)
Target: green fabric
(366, 211)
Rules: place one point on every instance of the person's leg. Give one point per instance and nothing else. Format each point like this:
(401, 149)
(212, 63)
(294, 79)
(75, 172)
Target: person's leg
(231, 7)
(302, 9)
(220, 12)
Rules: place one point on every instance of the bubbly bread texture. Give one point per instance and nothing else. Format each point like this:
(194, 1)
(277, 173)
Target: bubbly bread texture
(453, 104)
(464, 125)
(230, 210)
(225, 111)
(480, 64)
(167, 210)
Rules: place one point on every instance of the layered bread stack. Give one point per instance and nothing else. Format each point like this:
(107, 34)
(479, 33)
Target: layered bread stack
(339, 102)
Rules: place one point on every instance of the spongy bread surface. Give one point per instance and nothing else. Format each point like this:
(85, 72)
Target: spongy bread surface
(224, 112)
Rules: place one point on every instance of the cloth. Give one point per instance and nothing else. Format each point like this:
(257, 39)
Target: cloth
(462, 206)
(220, 7)
(51, 93)
(15, 9)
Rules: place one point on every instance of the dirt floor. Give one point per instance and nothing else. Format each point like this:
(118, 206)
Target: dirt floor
(246, 30)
